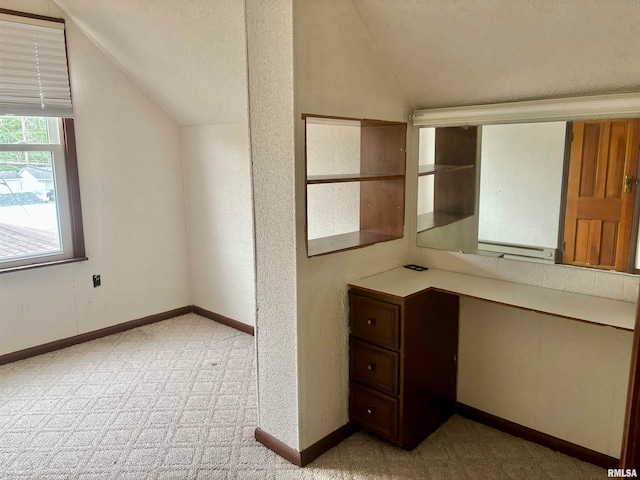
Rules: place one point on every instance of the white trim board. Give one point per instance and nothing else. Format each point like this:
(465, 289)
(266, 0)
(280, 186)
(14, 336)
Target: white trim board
(402, 282)
(623, 105)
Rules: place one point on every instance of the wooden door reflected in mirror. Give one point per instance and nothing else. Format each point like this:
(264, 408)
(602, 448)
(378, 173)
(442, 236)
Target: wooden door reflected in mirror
(600, 194)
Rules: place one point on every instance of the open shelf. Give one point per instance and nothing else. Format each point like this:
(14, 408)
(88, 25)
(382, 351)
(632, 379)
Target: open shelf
(453, 184)
(368, 202)
(346, 241)
(430, 220)
(351, 177)
(431, 168)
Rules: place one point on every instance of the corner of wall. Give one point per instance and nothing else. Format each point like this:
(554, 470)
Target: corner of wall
(186, 216)
(271, 103)
(339, 71)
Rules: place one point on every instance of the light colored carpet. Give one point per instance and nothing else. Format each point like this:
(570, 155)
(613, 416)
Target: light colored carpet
(176, 400)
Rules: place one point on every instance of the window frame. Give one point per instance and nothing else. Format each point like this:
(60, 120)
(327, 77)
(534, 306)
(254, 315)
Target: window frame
(66, 196)
(65, 178)
(67, 191)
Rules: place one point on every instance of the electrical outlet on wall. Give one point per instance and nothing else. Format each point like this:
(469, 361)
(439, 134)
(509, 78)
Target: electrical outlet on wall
(96, 281)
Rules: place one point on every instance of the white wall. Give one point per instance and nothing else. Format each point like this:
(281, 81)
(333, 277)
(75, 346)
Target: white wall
(564, 378)
(332, 149)
(425, 194)
(501, 349)
(188, 56)
(521, 183)
(11, 186)
(132, 201)
(271, 107)
(449, 53)
(427, 157)
(333, 209)
(338, 71)
(217, 175)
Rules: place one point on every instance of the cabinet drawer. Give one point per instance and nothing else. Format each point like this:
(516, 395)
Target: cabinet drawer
(374, 411)
(374, 366)
(374, 321)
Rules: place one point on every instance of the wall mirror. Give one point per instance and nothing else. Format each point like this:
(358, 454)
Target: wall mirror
(556, 191)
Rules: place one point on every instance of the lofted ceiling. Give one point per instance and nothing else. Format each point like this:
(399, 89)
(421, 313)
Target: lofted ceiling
(462, 52)
(188, 55)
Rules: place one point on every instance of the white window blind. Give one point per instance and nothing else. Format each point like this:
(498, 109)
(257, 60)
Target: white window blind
(34, 79)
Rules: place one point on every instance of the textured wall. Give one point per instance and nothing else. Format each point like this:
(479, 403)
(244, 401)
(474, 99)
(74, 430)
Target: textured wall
(270, 60)
(588, 281)
(132, 201)
(333, 208)
(217, 177)
(189, 56)
(517, 208)
(564, 378)
(339, 72)
(503, 348)
(447, 53)
(427, 157)
(332, 149)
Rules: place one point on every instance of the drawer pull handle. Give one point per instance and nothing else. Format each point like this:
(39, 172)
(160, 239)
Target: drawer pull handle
(371, 367)
(371, 411)
(371, 321)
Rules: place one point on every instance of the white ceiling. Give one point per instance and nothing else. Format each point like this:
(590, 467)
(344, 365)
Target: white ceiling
(188, 55)
(462, 52)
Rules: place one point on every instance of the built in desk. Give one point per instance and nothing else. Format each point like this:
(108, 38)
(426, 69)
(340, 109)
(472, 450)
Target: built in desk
(403, 341)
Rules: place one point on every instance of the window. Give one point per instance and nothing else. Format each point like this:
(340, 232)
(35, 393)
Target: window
(40, 221)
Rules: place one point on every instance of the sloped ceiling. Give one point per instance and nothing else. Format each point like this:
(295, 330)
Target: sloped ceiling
(188, 55)
(462, 52)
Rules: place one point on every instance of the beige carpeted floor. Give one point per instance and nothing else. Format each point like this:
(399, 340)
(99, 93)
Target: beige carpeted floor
(176, 400)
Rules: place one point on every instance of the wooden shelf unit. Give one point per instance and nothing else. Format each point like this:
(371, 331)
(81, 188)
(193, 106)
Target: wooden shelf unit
(382, 185)
(454, 192)
(351, 177)
(430, 220)
(431, 169)
(345, 241)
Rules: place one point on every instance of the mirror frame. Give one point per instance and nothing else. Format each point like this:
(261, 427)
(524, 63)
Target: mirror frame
(569, 109)
(622, 105)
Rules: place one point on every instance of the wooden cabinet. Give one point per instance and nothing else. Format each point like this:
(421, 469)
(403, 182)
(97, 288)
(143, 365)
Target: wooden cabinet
(454, 185)
(403, 365)
(372, 163)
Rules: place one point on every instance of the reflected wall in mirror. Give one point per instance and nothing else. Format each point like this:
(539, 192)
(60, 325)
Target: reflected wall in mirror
(520, 187)
(554, 192)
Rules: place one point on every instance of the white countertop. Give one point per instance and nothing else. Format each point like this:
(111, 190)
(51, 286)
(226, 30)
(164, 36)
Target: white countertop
(402, 282)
